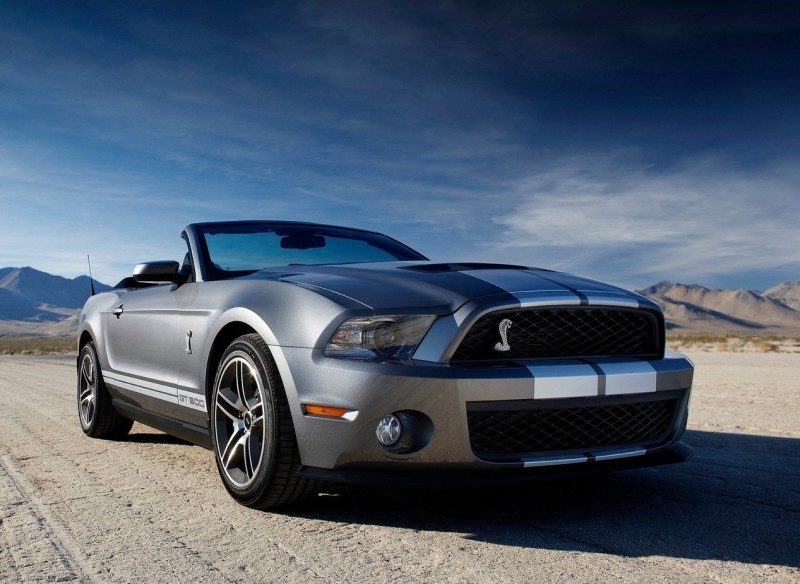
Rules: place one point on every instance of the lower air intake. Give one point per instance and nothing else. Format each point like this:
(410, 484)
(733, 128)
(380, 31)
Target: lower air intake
(535, 431)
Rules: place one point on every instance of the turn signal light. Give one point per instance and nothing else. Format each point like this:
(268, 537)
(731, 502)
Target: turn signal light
(326, 411)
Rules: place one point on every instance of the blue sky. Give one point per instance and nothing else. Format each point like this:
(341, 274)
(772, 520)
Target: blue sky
(630, 142)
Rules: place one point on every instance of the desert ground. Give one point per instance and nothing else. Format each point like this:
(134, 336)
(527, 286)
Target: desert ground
(152, 508)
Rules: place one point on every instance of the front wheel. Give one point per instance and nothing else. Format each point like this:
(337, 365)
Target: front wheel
(97, 416)
(251, 429)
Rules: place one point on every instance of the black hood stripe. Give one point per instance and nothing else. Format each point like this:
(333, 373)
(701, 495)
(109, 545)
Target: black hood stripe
(481, 275)
(583, 298)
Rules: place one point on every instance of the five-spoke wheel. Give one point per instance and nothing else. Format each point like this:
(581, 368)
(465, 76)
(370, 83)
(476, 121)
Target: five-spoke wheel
(97, 415)
(86, 389)
(252, 431)
(239, 420)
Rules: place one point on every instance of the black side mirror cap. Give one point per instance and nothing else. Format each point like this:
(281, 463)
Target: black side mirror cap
(161, 272)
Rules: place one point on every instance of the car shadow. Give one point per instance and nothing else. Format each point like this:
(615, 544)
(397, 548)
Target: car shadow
(154, 437)
(737, 500)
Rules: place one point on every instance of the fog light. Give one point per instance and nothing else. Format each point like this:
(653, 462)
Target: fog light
(404, 432)
(389, 430)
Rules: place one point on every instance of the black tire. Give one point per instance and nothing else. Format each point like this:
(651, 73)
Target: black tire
(97, 416)
(251, 429)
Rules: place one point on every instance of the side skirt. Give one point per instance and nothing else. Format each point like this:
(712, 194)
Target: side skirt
(189, 432)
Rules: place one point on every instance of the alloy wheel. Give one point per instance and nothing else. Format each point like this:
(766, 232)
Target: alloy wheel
(239, 421)
(87, 395)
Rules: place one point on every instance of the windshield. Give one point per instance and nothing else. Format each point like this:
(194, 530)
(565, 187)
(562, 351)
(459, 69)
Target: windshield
(234, 250)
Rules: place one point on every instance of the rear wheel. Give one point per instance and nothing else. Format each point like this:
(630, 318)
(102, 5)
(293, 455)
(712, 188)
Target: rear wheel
(251, 428)
(97, 416)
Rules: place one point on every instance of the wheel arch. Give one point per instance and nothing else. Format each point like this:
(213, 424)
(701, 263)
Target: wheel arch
(84, 339)
(230, 326)
(226, 335)
(85, 336)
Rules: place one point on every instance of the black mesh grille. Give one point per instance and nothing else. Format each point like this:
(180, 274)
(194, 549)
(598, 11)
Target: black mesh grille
(562, 333)
(525, 432)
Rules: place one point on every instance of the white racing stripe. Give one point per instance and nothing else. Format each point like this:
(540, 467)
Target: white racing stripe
(157, 390)
(549, 299)
(554, 381)
(628, 377)
(527, 287)
(148, 388)
(609, 299)
(578, 379)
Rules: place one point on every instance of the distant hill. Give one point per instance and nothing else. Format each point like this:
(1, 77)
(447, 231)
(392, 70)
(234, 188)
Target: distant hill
(788, 293)
(37, 303)
(696, 309)
(29, 295)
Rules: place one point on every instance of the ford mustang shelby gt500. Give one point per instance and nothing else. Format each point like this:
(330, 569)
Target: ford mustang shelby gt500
(301, 352)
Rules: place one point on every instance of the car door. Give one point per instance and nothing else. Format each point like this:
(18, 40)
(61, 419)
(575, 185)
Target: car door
(143, 343)
(198, 312)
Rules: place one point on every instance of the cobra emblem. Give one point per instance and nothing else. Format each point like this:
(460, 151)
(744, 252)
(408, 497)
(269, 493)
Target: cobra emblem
(505, 324)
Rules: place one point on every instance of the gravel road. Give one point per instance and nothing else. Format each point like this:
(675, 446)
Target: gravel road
(152, 508)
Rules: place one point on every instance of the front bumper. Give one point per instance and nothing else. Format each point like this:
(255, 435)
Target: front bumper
(338, 448)
(677, 452)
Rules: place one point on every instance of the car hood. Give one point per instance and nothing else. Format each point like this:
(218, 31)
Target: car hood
(441, 288)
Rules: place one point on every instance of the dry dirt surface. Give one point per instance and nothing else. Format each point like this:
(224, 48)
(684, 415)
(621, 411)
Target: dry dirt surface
(152, 509)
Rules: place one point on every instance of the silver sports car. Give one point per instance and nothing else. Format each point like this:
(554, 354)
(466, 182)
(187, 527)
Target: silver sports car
(301, 352)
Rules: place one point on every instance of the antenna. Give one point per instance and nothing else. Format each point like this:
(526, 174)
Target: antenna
(91, 280)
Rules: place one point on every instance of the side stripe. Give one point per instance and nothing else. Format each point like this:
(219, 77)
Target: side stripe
(148, 388)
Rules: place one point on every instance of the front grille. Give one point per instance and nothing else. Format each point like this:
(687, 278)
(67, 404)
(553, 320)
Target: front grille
(564, 332)
(535, 431)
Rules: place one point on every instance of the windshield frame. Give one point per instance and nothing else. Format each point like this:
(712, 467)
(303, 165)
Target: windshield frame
(212, 272)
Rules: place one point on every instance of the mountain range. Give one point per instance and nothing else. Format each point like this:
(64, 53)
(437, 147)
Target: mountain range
(34, 302)
(37, 303)
(693, 309)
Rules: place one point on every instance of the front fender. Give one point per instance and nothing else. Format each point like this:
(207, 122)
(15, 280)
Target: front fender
(243, 316)
(90, 321)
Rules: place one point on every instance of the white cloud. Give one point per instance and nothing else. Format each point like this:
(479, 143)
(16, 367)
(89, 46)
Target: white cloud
(697, 220)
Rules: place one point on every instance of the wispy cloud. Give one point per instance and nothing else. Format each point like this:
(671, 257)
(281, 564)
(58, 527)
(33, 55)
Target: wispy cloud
(698, 220)
(469, 129)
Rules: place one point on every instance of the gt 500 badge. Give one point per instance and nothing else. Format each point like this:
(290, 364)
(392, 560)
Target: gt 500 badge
(192, 400)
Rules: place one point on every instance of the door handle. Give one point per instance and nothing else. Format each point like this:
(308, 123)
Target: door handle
(118, 311)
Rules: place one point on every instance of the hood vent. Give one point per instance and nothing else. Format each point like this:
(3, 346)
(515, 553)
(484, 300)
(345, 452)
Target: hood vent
(461, 267)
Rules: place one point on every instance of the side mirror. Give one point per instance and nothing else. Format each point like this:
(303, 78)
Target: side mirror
(162, 272)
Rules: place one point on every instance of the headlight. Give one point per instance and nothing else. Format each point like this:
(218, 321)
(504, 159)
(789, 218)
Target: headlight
(379, 337)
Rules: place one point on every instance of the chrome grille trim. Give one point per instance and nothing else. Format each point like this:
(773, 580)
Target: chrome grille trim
(565, 332)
